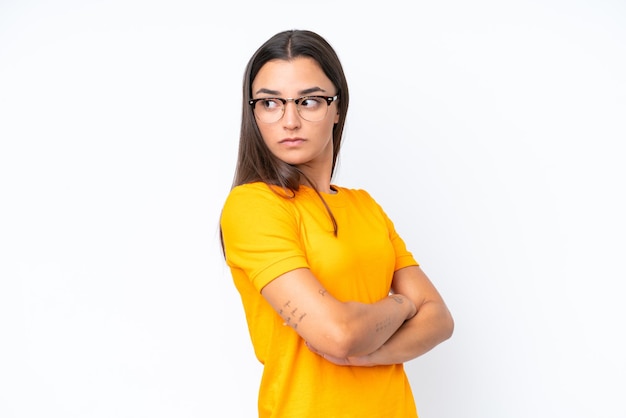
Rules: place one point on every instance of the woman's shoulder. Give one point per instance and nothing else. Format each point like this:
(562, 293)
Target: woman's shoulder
(355, 193)
(250, 188)
(254, 205)
(254, 194)
(357, 197)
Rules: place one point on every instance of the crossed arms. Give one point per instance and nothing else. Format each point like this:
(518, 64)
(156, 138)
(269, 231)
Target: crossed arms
(411, 321)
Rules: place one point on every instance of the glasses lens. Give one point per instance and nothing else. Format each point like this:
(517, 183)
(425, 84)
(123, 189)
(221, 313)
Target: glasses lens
(312, 109)
(268, 110)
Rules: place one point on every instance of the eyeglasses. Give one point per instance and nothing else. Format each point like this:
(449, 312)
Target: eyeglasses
(310, 108)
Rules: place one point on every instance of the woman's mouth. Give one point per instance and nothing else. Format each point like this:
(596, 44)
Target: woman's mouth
(291, 142)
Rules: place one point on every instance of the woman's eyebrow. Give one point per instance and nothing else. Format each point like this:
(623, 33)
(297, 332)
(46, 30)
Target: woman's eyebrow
(301, 92)
(312, 90)
(267, 91)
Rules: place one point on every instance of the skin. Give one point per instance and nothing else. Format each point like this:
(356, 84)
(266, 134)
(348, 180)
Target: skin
(408, 323)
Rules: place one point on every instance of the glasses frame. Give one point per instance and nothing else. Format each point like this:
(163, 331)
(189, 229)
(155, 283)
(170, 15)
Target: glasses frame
(328, 99)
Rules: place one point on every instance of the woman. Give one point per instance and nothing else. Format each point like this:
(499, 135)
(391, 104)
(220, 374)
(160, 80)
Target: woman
(335, 303)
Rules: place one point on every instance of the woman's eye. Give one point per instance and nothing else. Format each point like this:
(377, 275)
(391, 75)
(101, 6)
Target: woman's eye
(311, 102)
(271, 104)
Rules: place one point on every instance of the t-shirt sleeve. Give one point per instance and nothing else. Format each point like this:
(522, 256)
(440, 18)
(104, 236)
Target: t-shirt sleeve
(260, 233)
(404, 257)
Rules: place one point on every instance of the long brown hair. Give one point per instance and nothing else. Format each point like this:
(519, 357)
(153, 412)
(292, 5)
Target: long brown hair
(255, 162)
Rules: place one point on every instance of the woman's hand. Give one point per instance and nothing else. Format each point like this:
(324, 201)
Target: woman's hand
(420, 331)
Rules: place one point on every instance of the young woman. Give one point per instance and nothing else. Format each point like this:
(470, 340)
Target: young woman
(335, 303)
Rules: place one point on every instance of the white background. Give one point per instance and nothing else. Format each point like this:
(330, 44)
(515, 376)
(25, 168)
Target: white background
(492, 133)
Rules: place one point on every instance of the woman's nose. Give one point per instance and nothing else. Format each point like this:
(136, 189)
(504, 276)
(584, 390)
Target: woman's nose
(291, 116)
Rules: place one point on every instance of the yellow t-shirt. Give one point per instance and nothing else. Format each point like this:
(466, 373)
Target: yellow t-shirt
(267, 234)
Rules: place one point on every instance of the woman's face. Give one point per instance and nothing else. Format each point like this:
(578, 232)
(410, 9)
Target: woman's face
(293, 139)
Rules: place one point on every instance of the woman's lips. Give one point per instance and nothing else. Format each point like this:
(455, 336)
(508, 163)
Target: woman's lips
(291, 142)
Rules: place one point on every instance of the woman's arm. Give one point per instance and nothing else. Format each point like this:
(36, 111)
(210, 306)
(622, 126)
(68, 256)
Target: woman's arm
(337, 329)
(432, 324)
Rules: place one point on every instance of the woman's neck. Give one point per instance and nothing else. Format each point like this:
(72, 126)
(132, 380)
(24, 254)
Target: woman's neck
(317, 181)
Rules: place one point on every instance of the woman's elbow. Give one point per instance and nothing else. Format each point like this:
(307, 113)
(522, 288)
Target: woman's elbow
(447, 326)
(340, 340)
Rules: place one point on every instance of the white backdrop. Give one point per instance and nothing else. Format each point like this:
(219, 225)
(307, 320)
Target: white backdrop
(492, 133)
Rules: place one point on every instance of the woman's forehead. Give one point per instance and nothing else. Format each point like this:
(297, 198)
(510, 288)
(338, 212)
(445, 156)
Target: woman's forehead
(298, 74)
